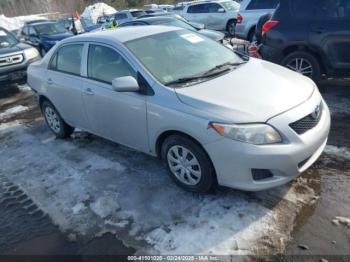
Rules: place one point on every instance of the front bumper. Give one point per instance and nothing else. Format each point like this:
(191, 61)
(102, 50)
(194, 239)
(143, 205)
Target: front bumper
(15, 73)
(234, 161)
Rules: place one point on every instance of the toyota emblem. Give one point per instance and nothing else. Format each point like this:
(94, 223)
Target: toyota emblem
(316, 113)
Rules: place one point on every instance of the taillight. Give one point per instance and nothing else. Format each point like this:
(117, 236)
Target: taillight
(268, 25)
(239, 18)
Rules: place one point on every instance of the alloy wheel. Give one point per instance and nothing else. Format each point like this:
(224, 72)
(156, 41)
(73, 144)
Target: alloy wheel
(301, 65)
(184, 165)
(52, 119)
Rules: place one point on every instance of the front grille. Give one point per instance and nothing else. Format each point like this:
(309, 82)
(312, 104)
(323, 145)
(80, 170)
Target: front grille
(307, 123)
(260, 174)
(11, 60)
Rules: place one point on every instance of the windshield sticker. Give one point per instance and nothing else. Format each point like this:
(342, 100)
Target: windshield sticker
(194, 39)
(2, 33)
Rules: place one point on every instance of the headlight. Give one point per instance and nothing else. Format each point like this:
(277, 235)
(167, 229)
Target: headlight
(257, 134)
(31, 53)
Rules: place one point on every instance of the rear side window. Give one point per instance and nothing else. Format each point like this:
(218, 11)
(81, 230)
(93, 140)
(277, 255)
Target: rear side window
(301, 9)
(68, 59)
(105, 64)
(121, 16)
(213, 7)
(196, 9)
(334, 9)
(262, 4)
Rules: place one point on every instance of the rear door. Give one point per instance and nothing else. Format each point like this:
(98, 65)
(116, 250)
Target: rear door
(330, 33)
(63, 84)
(215, 20)
(196, 13)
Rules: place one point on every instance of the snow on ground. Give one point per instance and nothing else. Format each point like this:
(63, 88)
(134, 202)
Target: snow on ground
(90, 186)
(12, 111)
(14, 23)
(96, 10)
(342, 152)
(341, 220)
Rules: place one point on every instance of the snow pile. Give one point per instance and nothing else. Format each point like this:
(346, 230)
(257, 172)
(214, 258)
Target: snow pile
(96, 10)
(341, 220)
(13, 111)
(14, 23)
(342, 152)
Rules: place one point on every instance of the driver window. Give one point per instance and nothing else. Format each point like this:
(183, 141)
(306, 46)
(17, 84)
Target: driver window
(32, 31)
(105, 64)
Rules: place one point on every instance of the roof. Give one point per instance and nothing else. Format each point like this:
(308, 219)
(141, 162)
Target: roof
(156, 18)
(123, 34)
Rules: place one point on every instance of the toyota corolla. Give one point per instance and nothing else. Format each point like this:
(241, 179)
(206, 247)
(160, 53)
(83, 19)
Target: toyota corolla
(211, 115)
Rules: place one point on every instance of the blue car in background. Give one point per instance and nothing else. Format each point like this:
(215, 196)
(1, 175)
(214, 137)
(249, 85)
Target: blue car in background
(43, 35)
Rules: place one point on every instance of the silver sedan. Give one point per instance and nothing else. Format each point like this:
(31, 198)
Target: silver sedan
(212, 116)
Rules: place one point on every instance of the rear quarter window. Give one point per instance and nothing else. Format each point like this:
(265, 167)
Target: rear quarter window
(68, 59)
(262, 4)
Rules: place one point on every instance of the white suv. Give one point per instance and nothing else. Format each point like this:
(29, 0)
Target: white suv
(249, 15)
(216, 15)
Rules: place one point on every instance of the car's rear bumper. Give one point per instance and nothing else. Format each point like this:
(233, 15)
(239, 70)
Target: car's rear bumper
(234, 161)
(271, 54)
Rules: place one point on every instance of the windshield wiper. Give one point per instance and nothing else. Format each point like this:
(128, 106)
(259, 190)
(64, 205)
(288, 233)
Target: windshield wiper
(219, 69)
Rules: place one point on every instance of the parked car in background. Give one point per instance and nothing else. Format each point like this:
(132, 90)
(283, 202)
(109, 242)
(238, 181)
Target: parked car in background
(88, 25)
(170, 92)
(249, 15)
(76, 28)
(152, 11)
(127, 15)
(43, 35)
(103, 19)
(310, 37)
(216, 15)
(172, 21)
(14, 59)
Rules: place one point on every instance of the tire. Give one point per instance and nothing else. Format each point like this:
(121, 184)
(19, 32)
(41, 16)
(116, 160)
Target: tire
(42, 52)
(55, 122)
(198, 177)
(310, 66)
(251, 35)
(231, 30)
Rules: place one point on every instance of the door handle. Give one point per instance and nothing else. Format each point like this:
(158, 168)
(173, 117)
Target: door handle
(89, 92)
(319, 30)
(49, 82)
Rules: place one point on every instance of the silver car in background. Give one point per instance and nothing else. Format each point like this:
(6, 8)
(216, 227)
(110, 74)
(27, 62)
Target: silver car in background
(249, 15)
(216, 15)
(173, 93)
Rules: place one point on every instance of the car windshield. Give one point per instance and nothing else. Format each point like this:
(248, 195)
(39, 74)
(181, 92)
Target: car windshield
(137, 13)
(7, 39)
(182, 54)
(174, 22)
(50, 29)
(231, 5)
(86, 22)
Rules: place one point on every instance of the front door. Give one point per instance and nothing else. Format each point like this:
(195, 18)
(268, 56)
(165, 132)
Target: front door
(118, 116)
(330, 32)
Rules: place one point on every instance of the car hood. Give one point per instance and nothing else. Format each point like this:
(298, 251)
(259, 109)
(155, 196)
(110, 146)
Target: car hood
(13, 49)
(56, 37)
(254, 92)
(217, 36)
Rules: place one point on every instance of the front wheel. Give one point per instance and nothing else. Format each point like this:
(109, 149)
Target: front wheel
(188, 164)
(55, 122)
(304, 63)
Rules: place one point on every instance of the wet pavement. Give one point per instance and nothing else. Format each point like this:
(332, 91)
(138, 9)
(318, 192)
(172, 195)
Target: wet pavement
(329, 179)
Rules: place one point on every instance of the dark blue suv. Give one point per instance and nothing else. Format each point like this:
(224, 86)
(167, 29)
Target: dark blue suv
(43, 35)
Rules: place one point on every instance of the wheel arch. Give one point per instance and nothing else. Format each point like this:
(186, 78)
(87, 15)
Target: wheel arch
(313, 51)
(163, 136)
(234, 20)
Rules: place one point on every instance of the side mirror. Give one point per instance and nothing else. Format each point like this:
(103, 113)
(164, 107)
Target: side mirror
(221, 10)
(125, 84)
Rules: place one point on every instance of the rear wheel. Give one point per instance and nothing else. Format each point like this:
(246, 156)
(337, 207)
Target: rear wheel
(231, 28)
(304, 63)
(55, 122)
(188, 164)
